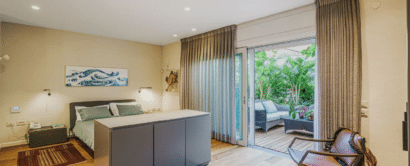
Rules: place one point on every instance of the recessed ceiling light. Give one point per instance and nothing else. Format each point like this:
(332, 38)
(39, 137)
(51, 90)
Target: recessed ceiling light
(175, 35)
(193, 29)
(35, 7)
(187, 9)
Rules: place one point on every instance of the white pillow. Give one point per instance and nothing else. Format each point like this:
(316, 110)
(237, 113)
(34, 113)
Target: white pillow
(77, 108)
(114, 108)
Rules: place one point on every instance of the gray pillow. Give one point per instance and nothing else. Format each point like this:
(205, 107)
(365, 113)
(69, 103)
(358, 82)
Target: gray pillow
(270, 106)
(125, 110)
(259, 106)
(91, 113)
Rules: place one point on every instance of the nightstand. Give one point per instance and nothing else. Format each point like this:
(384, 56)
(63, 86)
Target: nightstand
(46, 136)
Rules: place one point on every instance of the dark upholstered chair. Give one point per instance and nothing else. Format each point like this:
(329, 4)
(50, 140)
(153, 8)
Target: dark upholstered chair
(340, 151)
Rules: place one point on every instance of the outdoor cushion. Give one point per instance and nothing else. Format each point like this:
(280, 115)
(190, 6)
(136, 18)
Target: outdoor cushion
(277, 115)
(269, 106)
(282, 107)
(311, 107)
(259, 106)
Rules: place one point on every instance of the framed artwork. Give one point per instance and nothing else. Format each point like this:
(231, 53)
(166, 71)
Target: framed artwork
(172, 80)
(95, 76)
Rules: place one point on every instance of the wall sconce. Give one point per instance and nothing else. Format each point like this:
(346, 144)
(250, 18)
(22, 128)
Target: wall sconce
(144, 88)
(49, 93)
(5, 57)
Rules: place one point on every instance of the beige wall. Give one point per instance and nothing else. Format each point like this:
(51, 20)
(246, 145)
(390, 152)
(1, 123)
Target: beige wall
(38, 60)
(171, 57)
(384, 45)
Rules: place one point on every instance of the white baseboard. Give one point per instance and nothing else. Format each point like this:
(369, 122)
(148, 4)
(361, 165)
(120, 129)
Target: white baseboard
(15, 143)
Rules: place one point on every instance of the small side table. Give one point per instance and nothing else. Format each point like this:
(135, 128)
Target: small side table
(47, 136)
(298, 124)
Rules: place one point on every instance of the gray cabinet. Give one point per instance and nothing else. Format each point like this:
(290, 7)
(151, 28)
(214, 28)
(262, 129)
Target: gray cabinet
(175, 138)
(169, 143)
(133, 146)
(198, 140)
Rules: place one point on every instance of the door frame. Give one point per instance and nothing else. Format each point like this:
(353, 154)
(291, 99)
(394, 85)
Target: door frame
(251, 83)
(244, 141)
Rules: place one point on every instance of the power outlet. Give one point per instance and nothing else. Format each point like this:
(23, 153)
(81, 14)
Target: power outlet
(9, 124)
(21, 123)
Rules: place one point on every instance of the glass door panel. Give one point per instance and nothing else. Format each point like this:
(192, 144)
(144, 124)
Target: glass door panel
(240, 96)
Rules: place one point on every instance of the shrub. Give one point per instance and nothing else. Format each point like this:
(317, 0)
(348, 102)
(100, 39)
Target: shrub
(293, 80)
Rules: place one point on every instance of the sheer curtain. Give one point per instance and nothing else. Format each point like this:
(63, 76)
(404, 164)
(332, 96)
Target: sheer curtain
(339, 69)
(207, 79)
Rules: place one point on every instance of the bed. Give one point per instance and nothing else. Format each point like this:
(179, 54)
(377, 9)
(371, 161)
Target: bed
(84, 131)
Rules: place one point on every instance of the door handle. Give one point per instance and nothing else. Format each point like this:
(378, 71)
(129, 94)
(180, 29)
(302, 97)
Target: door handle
(244, 100)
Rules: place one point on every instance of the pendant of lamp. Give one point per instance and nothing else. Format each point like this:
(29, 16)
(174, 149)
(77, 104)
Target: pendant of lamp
(5, 57)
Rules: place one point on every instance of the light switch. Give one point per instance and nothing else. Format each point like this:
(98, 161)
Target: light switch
(15, 110)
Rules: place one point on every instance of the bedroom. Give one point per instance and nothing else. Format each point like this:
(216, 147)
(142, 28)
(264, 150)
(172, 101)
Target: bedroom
(41, 44)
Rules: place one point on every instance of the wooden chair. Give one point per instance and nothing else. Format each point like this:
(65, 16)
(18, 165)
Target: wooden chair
(340, 151)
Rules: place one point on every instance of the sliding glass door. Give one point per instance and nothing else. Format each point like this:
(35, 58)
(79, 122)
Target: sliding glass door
(281, 94)
(240, 96)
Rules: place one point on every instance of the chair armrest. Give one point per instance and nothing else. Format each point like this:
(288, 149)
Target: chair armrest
(357, 156)
(309, 139)
(334, 154)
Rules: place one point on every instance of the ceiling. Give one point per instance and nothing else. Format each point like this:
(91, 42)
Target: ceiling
(146, 21)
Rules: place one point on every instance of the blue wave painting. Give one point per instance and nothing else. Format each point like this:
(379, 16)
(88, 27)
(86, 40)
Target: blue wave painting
(90, 76)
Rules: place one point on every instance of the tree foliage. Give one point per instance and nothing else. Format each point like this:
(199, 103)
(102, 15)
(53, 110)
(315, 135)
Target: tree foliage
(292, 81)
(310, 51)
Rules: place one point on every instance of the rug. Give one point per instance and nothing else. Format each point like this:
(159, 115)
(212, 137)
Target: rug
(60, 155)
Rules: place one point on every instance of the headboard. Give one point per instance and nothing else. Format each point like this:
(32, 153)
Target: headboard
(73, 116)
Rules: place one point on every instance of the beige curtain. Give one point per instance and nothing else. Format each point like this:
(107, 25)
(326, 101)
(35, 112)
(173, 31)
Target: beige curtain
(207, 78)
(340, 65)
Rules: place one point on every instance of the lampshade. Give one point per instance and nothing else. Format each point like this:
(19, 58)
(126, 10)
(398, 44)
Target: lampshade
(6, 57)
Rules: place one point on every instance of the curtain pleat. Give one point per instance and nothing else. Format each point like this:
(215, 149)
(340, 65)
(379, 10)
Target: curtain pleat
(207, 79)
(340, 59)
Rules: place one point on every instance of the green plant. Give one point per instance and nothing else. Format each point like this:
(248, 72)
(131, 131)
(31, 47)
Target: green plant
(269, 79)
(300, 79)
(310, 51)
(292, 112)
(281, 83)
(308, 113)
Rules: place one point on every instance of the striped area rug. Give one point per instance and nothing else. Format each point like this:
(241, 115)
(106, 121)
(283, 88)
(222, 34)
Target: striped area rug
(59, 155)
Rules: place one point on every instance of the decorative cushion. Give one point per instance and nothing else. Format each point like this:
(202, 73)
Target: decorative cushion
(259, 106)
(114, 108)
(77, 113)
(91, 113)
(125, 110)
(269, 106)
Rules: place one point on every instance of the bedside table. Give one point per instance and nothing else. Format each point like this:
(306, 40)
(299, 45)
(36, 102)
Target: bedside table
(46, 136)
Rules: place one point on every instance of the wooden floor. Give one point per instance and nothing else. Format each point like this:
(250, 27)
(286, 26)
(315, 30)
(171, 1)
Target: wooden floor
(222, 154)
(277, 140)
